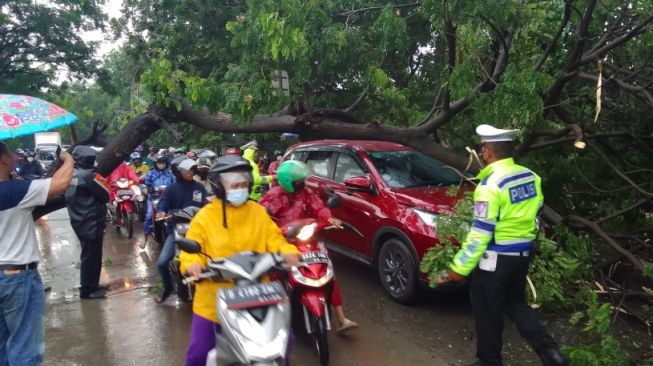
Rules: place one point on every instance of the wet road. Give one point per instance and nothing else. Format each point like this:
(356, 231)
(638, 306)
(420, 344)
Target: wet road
(129, 328)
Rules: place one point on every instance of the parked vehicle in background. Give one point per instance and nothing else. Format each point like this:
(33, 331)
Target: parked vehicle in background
(45, 147)
(391, 196)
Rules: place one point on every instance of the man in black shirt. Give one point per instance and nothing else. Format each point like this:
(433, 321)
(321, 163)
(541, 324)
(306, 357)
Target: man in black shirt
(183, 193)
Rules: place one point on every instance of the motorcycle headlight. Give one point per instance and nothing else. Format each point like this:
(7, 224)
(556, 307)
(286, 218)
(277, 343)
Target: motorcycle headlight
(306, 232)
(427, 217)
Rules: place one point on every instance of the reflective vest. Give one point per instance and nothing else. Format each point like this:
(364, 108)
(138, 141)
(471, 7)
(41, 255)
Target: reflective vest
(257, 179)
(507, 205)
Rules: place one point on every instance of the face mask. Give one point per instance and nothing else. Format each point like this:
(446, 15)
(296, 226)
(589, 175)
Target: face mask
(203, 174)
(237, 196)
(160, 166)
(30, 159)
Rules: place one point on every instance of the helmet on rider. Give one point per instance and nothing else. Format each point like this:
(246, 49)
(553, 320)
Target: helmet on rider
(139, 149)
(230, 172)
(30, 156)
(161, 162)
(174, 165)
(203, 166)
(178, 152)
(136, 158)
(292, 174)
(278, 154)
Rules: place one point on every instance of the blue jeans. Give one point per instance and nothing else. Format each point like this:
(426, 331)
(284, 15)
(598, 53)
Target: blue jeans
(22, 313)
(167, 253)
(148, 225)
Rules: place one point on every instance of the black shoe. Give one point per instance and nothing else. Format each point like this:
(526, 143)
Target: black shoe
(97, 294)
(552, 357)
(103, 287)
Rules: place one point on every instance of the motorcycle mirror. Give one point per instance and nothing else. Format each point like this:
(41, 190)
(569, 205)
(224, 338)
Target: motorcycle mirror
(334, 201)
(188, 246)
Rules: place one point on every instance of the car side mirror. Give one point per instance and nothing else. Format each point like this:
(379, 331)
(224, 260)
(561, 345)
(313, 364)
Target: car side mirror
(361, 183)
(334, 201)
(188, 246)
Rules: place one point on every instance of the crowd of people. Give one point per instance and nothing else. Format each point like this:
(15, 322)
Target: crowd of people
(238, 214)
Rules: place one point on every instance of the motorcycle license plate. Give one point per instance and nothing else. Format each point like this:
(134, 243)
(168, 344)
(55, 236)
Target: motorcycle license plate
(252, 296)
(315, 257)
(125, 192)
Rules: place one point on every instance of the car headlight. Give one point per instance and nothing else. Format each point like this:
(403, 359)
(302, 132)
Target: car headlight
(427, 217)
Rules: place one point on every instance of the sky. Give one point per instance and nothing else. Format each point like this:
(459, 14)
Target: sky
(112, 9)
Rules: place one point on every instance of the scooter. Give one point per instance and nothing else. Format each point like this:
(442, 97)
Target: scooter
(255, 316)
(123, 206)
(141, 201)
(158, 225)
(311, 282)
(180, 222)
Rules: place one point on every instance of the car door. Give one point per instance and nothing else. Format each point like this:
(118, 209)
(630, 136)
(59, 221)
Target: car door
(357, 210)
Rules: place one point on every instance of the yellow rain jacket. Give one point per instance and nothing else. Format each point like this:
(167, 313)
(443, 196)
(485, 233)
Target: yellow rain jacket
(248, 228)
(257, 179)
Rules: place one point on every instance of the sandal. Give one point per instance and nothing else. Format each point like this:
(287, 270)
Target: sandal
(347, 325)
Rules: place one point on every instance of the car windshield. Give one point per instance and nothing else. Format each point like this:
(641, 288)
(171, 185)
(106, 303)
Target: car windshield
(410, 168)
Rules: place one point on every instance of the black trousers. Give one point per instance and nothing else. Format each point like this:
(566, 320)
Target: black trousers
(91, 263)
(494, 294)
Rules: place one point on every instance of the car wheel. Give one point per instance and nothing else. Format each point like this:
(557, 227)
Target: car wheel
(397, 271)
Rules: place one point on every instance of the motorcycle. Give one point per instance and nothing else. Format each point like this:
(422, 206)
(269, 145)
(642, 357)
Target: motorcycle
(311, 282)
(122, 206)
(141, 201)
(180, 222)
(159, 225)
(254, 316)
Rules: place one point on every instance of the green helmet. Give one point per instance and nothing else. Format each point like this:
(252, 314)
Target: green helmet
(292, 171)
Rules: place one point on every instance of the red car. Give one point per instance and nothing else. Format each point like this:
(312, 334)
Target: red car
(390, 195)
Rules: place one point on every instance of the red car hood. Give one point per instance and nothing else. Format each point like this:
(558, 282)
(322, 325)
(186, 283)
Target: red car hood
(432, 199)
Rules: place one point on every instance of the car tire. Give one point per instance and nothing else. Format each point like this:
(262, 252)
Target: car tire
(397, 271)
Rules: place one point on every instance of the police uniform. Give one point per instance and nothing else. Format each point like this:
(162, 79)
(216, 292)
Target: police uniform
(496, 253)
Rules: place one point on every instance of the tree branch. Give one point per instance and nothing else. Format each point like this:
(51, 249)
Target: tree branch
(503, 42)
(621, 212)
(635, 31)
(622, 84)
(532, 136)
(618, 171)
(596, 229)
(176, 136)
(350, 13)
(565, 20)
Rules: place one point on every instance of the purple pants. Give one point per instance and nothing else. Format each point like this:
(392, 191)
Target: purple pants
(202, 341)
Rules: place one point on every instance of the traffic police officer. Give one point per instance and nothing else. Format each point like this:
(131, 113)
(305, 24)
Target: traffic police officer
(496, 253)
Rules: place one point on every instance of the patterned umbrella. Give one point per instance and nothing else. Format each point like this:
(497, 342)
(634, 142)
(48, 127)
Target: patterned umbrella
(24, 115)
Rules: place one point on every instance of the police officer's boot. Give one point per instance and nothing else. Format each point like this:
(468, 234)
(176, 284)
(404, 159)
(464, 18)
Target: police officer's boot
(551, 356)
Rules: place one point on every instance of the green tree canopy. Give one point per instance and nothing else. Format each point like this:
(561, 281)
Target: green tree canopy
(39, 39)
